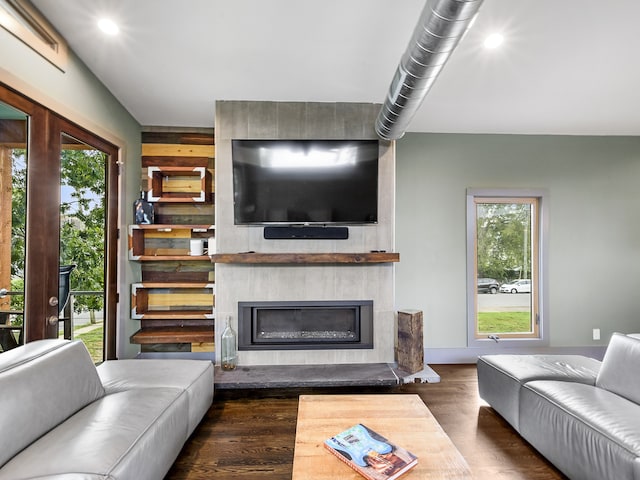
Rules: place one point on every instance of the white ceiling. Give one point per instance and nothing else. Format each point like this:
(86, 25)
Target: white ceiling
(566, 66)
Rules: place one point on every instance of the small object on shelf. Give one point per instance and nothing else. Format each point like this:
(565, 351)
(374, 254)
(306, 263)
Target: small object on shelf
(195, 247)
(228, 355)
(143, 210)
(370, 454)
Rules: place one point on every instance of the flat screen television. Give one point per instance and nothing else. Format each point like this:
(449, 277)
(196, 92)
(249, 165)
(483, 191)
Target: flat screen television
(305, 182)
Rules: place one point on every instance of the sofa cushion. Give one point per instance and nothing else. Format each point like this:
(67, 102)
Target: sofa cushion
(193, 376)
(620, 371)
(501, 376)
(135, 434)
(51, 383)
(588, 433)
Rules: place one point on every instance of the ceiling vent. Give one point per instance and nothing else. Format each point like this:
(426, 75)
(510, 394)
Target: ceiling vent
(442, 24)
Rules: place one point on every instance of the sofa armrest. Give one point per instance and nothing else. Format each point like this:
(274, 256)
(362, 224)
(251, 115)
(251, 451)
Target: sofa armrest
(48, 383)
(619, 371)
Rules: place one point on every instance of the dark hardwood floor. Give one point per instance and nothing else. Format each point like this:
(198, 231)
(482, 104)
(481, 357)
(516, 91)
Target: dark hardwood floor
(250, 434)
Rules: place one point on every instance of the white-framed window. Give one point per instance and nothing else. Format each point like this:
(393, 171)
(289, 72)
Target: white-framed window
(506, 267)
(24, 21)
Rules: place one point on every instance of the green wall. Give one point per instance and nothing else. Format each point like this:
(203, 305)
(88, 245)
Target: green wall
(78, 95)
(594, 227)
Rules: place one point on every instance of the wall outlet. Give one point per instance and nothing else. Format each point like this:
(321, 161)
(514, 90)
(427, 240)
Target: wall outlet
(596, 334)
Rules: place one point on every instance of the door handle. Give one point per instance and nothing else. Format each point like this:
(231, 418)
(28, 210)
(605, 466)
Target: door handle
(3, 292)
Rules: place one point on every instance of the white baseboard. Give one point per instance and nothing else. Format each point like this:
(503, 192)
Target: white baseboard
(470, 355)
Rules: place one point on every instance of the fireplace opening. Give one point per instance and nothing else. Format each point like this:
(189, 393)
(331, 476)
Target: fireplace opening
(305, 325)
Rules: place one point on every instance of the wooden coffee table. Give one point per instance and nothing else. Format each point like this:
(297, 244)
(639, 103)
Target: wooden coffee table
(403, 419)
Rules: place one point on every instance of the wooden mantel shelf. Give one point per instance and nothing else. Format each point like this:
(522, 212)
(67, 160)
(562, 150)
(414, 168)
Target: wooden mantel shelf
(305, 258)
(173, 335)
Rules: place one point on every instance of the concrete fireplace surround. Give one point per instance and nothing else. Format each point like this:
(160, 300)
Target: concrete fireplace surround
(294, 282)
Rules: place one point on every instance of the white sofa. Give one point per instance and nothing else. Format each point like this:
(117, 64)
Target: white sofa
(62, 418)
(581, 414)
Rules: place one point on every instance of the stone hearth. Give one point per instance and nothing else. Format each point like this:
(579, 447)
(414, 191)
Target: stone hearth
(306, 376)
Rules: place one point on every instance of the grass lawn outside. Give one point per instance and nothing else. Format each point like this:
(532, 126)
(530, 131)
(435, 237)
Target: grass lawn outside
(504, 322)
(94, 342)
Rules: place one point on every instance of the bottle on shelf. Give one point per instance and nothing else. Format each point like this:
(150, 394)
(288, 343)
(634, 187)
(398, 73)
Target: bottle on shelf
(229, 356)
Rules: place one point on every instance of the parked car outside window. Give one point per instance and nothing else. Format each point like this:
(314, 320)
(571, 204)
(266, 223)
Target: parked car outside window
(517, 286)
(488, 285)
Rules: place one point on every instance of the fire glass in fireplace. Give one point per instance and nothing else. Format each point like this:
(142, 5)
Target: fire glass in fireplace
(305, 325)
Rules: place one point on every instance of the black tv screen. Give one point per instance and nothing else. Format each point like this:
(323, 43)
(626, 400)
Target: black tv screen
(305, 181)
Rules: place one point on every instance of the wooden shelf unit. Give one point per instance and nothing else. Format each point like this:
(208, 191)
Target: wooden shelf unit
(165, 242)
(187, 334)
(306, 258)
(178, 184)
(175, 300)
(172, 301)
(168, 258)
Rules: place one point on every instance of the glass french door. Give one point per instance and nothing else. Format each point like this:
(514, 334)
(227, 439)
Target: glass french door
(83, 230)
(13, 181)
(61, 190)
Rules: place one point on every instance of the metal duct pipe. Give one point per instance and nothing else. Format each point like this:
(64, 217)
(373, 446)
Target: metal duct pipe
(441, 26)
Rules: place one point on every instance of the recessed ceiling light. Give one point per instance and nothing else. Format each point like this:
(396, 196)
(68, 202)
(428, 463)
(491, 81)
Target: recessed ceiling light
(493, 40)
(108, 26)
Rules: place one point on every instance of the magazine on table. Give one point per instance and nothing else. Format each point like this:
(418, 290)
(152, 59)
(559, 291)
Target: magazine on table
(370, 454)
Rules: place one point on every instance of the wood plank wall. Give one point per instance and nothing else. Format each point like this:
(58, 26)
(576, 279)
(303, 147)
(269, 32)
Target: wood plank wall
(178, 149)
